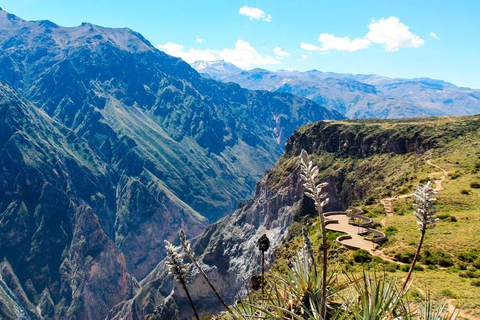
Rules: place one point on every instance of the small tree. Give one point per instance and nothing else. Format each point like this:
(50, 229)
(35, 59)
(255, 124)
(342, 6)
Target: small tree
(424, 212)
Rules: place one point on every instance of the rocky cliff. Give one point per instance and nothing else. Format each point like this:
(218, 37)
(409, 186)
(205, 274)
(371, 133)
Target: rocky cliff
(358, 158)
(109, 146)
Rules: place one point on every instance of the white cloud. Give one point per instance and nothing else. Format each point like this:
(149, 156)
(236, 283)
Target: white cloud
(434, 35)
(389, 32)
(330, 42)
(191, 55)
(255, 13)
(392, 34)
(309, 46)
(199, 40)
(280, 53)
(243, 55)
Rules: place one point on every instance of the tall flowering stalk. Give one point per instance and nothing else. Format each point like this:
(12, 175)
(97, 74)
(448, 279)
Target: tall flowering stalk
(178, 269)
(191, 255)
(425, 213)
(314, 190)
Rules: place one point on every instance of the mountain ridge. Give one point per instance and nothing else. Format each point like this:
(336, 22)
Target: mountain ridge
(357, 96)
(120, 146)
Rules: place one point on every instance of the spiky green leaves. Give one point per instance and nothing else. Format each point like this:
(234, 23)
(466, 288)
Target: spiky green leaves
(177, 268)
(310, 177)
(424, 209)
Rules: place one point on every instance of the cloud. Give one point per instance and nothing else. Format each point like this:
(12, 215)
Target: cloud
(330, 42)
(280, 54)
(309, 46)
(434, 35)
(243, 55)
(389, 32)
(392, 34)
(191, 55)
(199, 40)
(255, 13)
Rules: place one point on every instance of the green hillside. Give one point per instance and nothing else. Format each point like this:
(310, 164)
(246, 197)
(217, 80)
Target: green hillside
(370, 161)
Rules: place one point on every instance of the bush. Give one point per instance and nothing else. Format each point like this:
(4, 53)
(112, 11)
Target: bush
(294, 230)
(390, 231)
(475, 283)
(475, 185)
(476, 263)
(455, 175)
(467, 256)
(447, 217)
(370, 200)
(424, 180)
(463, 191)
(469, 274)
(448, 294)
(362, 256)
(392, 267)
(406, 268)
(405, 257)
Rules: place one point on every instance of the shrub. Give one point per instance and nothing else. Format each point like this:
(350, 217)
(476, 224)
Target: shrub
(448, 294)
(424, 180)
(294, 230)
(470, 273)
(463, 191)
(390, 231)
(475, 283)
(370, 200)
(405, 257)
(455, 175)
(446, 217)
(475, 185)
(476, 263)
(362, 256)
(467, 256)
(417, 267)
(392, 267)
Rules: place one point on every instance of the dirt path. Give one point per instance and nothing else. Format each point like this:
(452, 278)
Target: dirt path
(387, 202)
(443, 177)
(453, 309)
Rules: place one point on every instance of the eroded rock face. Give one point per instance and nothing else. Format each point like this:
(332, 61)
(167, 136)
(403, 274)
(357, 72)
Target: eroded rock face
(228, 251)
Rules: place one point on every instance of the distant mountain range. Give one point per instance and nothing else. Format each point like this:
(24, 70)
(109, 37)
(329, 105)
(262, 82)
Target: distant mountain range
(107, 147)
(356, 96)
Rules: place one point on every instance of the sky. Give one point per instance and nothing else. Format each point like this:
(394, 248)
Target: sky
(438, 39)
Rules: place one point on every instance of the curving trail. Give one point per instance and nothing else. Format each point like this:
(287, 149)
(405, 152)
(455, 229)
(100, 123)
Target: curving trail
(387, 202)
(342, 225)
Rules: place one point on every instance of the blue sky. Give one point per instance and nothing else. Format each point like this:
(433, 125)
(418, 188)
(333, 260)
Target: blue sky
(437, 39)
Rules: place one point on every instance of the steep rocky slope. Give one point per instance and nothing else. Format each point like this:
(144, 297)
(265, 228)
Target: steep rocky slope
(109, 146)
(140, 108)
(357, 157)
(357, 96)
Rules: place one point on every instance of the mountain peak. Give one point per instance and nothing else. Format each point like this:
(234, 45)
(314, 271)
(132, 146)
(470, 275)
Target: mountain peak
(86, 34)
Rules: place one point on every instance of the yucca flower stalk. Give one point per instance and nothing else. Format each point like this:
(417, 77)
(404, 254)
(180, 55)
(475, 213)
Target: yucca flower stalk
(425, 213)
(191, 255)
(178, 269)
(314, 190)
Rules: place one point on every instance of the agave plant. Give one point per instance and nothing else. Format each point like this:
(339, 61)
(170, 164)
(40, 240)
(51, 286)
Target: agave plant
(375, 297)
(430, 311)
